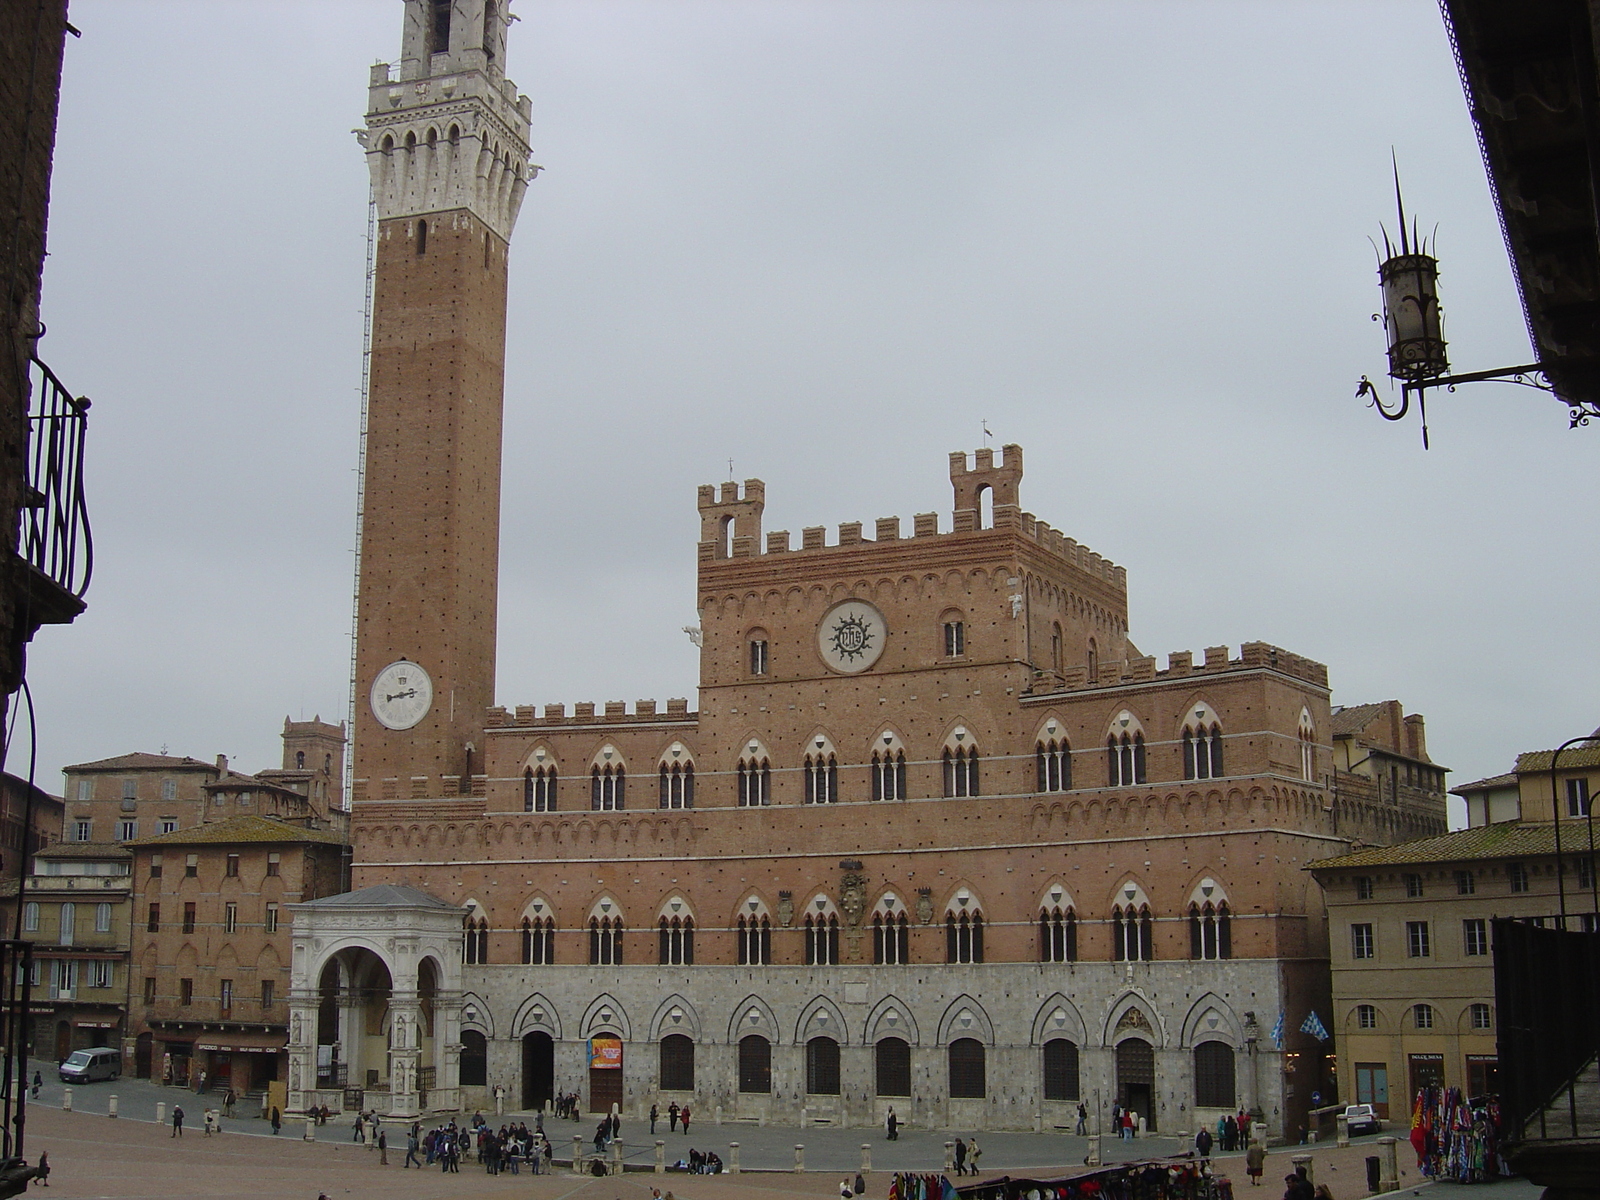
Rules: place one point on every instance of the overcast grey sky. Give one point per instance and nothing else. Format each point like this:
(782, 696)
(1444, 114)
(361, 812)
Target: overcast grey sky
(825, 240)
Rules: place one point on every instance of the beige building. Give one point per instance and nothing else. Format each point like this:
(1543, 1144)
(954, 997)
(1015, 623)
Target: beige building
(210, 946)
(75, 910)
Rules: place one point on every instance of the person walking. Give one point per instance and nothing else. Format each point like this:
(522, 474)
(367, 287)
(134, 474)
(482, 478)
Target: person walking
(961, 1157)
(655, 1115)
(383, 1147)
(277, 1120)
(891, 1125)
(672, 1117)
(228, 1100)
(1083, 1120)
(974, 1153)
(42, 1171)
(684, 1117)
(210, 1123)
(38, 1082)
(1202, 1144)
(1255, 1159)
(411, 1150)
(177, 1120)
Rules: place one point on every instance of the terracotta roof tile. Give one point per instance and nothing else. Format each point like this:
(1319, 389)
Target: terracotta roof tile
(1506, 839)
(1483, 785)
(138, 761)
(70, 850)
(1581, 755)
(241, 829)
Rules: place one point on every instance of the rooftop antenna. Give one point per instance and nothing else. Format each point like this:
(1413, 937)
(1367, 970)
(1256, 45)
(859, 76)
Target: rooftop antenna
(986, 434)
(730, 468)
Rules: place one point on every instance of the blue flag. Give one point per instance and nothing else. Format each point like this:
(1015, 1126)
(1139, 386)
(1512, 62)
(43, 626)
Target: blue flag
(1277, 1032)
(1314, 1026)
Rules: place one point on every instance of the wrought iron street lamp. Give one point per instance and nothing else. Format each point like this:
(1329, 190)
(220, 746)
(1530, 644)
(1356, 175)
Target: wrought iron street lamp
(1555, 817)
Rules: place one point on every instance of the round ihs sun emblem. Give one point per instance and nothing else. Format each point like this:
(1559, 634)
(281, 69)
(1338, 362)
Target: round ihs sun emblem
(850, 636)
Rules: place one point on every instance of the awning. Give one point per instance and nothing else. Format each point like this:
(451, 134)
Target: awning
(245, 1042)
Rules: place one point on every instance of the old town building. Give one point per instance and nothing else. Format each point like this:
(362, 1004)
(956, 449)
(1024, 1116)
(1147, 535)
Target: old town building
(210, 946)
(75, 910)
(937, 835)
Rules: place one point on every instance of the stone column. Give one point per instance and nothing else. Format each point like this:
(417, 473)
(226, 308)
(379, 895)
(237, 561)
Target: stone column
(577, 1154)
(1388, 1166)
(733, 1158)
(866, 1158)
(302, 1052)
(1309, 1163)
(799, 1158)
(405, 1053)
(661, 1157)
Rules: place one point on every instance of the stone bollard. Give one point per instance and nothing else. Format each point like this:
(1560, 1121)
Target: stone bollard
(66, 1099)
(1343, 1123)
(616, 1156)
(1388, 1166)
(949, 1157)
(661, 1157)
(310, 1134)
(111, 1111)
(733, 1158)
(1093, 1159)
(161, 1112)
(577, 1154)
(805, 1116)
(866, 1158)
(719, 1115)
(799, 1158)
(1309, 1163)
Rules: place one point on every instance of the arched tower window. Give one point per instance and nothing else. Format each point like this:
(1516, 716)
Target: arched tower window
(961, 765)
(538, 934)
(963, 929)
(299, 760)
(822, 933)
(1308, 747)
(1055, 647)
(753, 929)
(1210, 922)
(760, 645)
(1058, 927)
(1202, 744)
(675, 927)
(605, 934)
(608, 782)
(677, 779)
(1052, 758)
(475, 937)
(422, 226)
(1125, 761)
(1132, 926)
(891, 932)
(754, 774)
(888, 768)
(439, 27)
(539, 783)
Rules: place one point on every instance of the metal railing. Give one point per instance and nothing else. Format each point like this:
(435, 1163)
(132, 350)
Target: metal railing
(1547, 997)
(55, 537)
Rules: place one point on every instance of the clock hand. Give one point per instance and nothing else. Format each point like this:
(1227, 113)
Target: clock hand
(401, 695)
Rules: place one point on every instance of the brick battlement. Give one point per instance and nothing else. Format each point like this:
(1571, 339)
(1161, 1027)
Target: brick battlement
(613, 712)
(1181, 664)
(730, 522)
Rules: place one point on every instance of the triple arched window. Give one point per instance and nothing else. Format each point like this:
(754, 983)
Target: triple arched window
(676, 941)
(539, 789)
(605, 940)
(1058, 934)
(755, 782)
(1210, 930)
(754, 935)
(822, 939)
(822, 779)
(1053, 765)
(1131, 939)
(891, 938)
(608, 787)
(677, 785)
(475, 946)
(1125, 760)
(889, 775)
(538, 941)
(1202, 751)
(961, 771)
(963, 937)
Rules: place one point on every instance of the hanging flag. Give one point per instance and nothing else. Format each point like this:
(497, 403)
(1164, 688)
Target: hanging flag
(1314, 1026)
(1277, 1032)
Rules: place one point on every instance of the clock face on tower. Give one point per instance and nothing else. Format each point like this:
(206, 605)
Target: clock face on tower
(401, 695)
(851, 636)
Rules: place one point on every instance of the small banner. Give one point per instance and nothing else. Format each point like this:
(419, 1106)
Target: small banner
(605, 1052)
(1314, 1026)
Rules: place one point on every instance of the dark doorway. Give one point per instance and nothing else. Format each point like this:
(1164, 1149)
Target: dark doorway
(605, 1088)
(141, 1056)
(474, 1068)
(63, 1040)
(538, 1070)
(1136, 1079)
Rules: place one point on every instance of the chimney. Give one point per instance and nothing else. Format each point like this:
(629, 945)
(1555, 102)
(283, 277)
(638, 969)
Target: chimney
(222, 764)
(1416, 737)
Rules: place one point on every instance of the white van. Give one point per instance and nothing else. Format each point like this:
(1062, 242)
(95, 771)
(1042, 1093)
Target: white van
(87, 1066)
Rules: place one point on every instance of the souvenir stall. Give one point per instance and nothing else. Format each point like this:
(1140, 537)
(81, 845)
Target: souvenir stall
(1456, 1139)
(1157, 1179)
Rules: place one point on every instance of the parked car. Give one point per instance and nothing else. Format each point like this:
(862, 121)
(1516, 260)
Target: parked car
(87, 1066)
(1361, 1118)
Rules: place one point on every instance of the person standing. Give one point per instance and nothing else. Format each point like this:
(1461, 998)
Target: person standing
(891, 1125)
(177, 1120)
(672, 1117)
(228, 1100)
(961, 1157)
(383, 1147)
(684, 1117)
(1254, 1160)
(1202, 1144)
(210, 1123)
(277, 1120)
(38, 1082)
(655, 1115)
(1083, 1120)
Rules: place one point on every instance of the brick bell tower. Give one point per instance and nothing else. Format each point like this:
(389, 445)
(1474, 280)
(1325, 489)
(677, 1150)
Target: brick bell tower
(446, 140)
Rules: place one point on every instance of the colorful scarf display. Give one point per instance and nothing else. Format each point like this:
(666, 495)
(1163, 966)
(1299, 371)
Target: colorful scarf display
(1163, 1179)
(1455, 1140)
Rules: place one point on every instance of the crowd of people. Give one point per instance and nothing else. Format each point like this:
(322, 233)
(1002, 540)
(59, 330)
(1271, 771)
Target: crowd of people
(507, 1149)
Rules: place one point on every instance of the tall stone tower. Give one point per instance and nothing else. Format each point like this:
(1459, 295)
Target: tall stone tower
(447, 145)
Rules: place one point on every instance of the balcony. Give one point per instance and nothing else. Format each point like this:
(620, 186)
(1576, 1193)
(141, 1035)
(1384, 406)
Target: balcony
(55, 552)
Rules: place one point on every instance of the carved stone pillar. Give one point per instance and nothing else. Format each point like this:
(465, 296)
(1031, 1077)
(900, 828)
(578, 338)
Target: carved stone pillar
(405, 1051)
(302, 1051)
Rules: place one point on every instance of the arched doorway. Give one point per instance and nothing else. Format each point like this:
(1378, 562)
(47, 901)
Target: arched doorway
(538, 1070)
(141, 1056)
(1136, 1079)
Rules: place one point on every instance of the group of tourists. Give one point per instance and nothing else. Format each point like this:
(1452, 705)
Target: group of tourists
(508, 1149)
(565, 1106)
(674, 1115)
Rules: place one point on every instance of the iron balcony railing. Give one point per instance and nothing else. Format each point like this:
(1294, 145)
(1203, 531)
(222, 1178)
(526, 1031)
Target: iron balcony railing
(55, 537)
